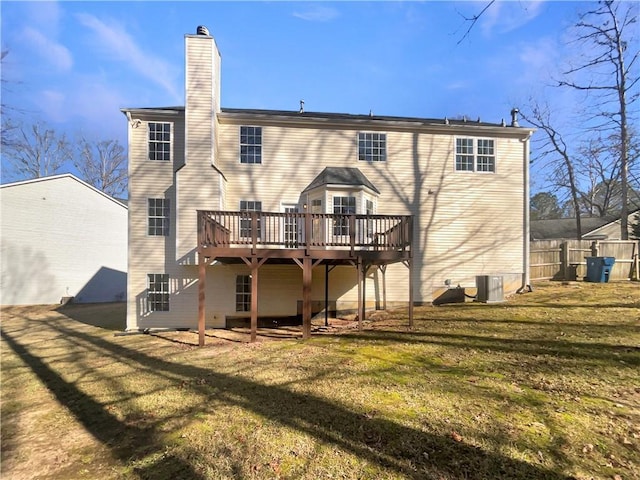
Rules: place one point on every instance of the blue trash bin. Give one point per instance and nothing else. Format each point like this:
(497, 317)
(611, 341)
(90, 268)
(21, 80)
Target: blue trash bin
(599, 269)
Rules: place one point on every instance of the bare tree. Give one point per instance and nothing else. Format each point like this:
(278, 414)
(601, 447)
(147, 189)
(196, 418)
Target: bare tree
(602, 172)
(8, 127)
(554, 150)
(103, 164)
(473, 19)
(600, 165)
(36, 152)
(607, 73)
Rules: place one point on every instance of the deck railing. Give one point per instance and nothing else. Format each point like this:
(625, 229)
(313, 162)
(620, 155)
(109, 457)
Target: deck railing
(224, 229)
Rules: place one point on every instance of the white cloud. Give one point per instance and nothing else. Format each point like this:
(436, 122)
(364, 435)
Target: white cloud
(116, 42)
(46, 16)
(48, 49)
(540, 57)
(317, 13)
(52, 103)
(503, 17)
(94, 107)
(457, 85)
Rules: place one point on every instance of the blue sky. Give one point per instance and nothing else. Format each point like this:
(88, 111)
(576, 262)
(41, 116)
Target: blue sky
(73, 65)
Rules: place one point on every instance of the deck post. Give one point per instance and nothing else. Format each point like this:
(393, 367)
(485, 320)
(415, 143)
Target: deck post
(202, 274)
(360, 309)
(326, 295)
(363, 304)
(410, 264)
(307, 267)
(254, 299)
(383, 269)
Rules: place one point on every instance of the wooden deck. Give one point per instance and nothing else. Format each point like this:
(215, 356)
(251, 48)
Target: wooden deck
(305, 239)
(378, 238)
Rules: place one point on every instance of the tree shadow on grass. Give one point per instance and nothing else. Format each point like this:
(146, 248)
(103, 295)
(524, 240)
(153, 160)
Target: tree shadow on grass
(409, 452)
(105, 427)
(438, 316)
(598, 352)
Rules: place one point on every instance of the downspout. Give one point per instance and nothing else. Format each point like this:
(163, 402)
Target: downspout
(526, 281)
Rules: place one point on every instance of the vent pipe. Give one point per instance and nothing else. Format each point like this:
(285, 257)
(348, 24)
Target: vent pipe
(514, 117)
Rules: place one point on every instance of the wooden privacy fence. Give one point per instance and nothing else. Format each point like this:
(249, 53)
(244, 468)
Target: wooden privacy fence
(565, 259)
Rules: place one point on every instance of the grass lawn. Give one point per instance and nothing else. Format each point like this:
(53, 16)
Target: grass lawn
(544, 386)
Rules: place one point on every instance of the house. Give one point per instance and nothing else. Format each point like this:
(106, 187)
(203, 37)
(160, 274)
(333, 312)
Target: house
(611, 229)
(593, 228)
(263, 213)
(60, 238)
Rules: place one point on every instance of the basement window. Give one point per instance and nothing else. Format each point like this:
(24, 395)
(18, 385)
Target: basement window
(243, 293)
(158, 292)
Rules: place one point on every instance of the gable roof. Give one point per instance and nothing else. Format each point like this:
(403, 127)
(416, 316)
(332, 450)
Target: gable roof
(632, 215)
(341, 176)
(64, 176)
(565, 227)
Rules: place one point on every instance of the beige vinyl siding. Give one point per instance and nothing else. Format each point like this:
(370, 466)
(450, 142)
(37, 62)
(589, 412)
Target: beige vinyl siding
(470, 223)
(150, 179)
(202, 96)
(198, 182)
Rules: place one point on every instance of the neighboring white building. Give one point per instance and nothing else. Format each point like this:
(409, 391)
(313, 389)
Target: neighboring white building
(217, 195)
(61, 237)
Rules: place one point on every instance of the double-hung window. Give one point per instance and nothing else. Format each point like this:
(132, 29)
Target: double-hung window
(486, 158)
(343, 206)
(243, 293)
(246, 221)
(475, 155)
(158, 292)
(158, 215)
(372, 146)
(159, 141)
(250, 144)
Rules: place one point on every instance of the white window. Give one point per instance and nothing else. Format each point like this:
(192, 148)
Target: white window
(475, 154)
(250, 144)
(159, 141)
(343, 206)
(245, 222)
(372, 146)
(158, 216)
(486, 159)
(243, 293)
(369, 207)
(158, 292)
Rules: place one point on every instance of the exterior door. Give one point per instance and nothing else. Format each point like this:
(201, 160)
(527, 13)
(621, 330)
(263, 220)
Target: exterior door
(290, 227)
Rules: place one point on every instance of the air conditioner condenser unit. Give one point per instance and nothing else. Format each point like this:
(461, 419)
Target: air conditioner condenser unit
(490, 288)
